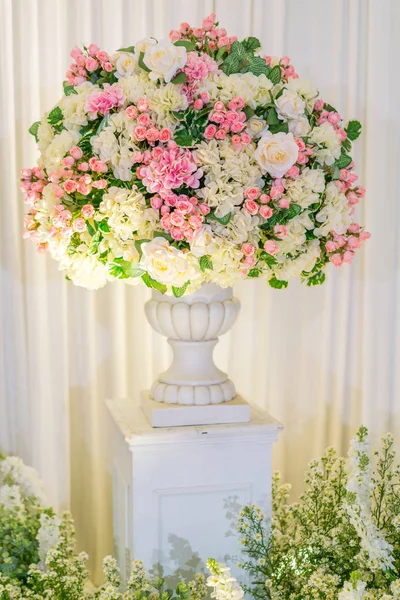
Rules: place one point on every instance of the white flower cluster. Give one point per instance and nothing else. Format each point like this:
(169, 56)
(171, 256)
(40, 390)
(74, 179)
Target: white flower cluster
(225, 586)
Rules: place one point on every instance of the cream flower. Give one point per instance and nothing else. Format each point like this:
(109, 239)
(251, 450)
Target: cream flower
(164, 59)
(290, 105)
(126, 64)
(203, 242)
(276, 153)
(299, 127)
(166, 100)
(167, 264)
(124, 210)
(328, 144)
(59, 146)
(85, 270)
(255, 126)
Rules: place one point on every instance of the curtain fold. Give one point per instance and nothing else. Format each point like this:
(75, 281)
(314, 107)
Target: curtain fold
(321, 360)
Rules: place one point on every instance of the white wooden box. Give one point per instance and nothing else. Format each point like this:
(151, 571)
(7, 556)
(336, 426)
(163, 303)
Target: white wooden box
(172, 487)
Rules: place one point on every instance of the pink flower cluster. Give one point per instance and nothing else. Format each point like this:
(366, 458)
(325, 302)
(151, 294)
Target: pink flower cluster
(341, 248)
(103, 101)
(181, 215)
(231, 119)
(287, 70)
(86, 63)
(168, 168)
(146, 128)
(303, 156)
(331, 117)
(207, 37)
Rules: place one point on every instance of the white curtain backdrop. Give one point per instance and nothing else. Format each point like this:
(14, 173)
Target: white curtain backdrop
(321, 360)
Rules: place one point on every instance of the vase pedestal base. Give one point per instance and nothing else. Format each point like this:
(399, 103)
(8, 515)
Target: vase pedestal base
(161, 414)
(176, 490)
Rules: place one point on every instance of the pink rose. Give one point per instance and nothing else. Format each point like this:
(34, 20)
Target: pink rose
(283, 203)
(143, 120)
(79, 225)
(277, 191)
(152, 134)
(69, 186)
(165, 134)
(330, 246)
(91, 65)
(131, 112)
(336, 259)
(266, 211)
(93, 50)
(210, 132)
(252, 193)
(26, 173)
(237, 127)
(156, 202)
(353, 242)
(165, 210)
(220, 134)
(87, 211)
(236, 141)
(246, 139)
(249, 260)
(205, 209)
(217, 118)
(365, 235)
(84, 189)
(354, 228)
(174, 35)
(218, 106)
(76, 152)
(100, 184)
(271, 247)
(177, 234)
(165, 221)
(319, 104)
(143, 104)
(280, 231)
(184, 206)
(205, 96)
(177, 219)
(83, 166)
(248, 249)
(348, 256)
(196, 221)
(251, 207)
(140, 133)
(198, 104)
(293, 172)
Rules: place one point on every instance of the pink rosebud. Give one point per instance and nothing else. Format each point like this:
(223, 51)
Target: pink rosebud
(330, 246)
(293, 172)
(143, 119)
(219, 106)
(205, 209)
(143, 104)
(223, 41)
(177, 234)
(205, 96)
(353, 242)
(26, 173)
(336, 259)
(207, 24)
(83, 166)
(251, 207)
(87, 211)
(174, 35)
(86, 179)
(354, 228)
(196, 221)
(365, 235)
(319, 105)
(280, 231)
(220, 134)
(340, 241)
(108, 67)
(131, 112)
(246, 139)
(248, 249)
(177, 219)
(165, 135)
(184, 206)
(156, 202)
(100, 184)
(76, 152)
(217, 117)
(237, 127)
(93, 50)
(264, 198)
(189, 233)
(210, 132)
(283, 203)
(91, 65)
(165, 210)
(68, 161)
(352, 198)
(198, 104)
(83, 189)
(266, 211)
(361, 191)
(348, 256)
(152, 134)
(184, 28)
(252, 193)
(140, 133)
(236, 141)
(69, 186)
(276, 191)
(271, 247)
(79, 225)
(285, 61)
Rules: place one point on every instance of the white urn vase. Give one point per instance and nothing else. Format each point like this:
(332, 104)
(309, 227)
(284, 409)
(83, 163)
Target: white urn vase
(192, 325)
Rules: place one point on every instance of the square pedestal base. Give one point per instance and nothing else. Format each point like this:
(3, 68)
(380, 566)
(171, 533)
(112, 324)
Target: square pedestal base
(161, 414)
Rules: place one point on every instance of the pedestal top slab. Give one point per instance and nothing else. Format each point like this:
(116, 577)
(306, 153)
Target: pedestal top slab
(137, 431)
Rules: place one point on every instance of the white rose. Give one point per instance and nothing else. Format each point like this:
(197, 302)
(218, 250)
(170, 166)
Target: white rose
(164, 59)
(276, 153)
(142, 45)
(164, 263)
(255, 126)
(290, 105)
(126, 64)
(203, 242)
(299, 127)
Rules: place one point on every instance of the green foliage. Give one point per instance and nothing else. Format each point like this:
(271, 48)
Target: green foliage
(278, 284)
(153, 283)
(142, 65)
(179, 291)
(317, 279)
(343, 161)
(33, 130)
(206, 263)
(353, 130)
(275, 74)
(221, 220)
(241, 59)
(69, 89)
(179, 78)
(190, 46)
(124, 269)
(130, 49)
(55, 119)
(18, 543)
(282, 216)
(192, 126)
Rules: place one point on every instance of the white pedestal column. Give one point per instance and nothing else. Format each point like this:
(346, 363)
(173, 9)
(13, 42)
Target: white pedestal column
(173, 488)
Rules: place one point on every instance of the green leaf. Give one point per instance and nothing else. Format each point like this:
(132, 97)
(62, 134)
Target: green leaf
(272, 117)
(278, 284)
(142, 64)
(251, 44)
(130, 49)
(179, 115)
(275, 74)
(164, 235)
(179, 291)
(230, 65)
(353, 130)
(95, 242)
(222, 220)
(254, 273)
(103, 226)
(91, 229)
(268, 258)
(55, 116)
(69, 89)
(206, 263)
(183, 138)
(317, 279)
(258, 66)
(249, 112)
(33, 130)
(346, 145)
(153, 283)
(186, 44)
(221, 52)
(343, 161)
(180, 78)
(329, 108)
(282, 126)
(282, 216)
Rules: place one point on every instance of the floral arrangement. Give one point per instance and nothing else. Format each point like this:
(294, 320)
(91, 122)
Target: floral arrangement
(192, 160)
(38, 558)
(340, 541)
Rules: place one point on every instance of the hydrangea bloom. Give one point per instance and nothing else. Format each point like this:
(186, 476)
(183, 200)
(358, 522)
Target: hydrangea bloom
(209, 140)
